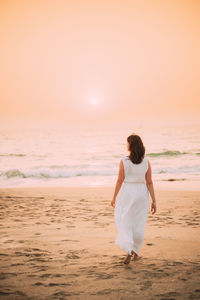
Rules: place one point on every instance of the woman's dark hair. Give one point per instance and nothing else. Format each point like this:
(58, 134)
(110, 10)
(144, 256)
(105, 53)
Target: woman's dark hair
(137, 149)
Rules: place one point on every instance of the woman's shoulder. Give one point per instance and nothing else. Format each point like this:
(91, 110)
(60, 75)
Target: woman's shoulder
(124, 158)
(145, 159)
(146, 162)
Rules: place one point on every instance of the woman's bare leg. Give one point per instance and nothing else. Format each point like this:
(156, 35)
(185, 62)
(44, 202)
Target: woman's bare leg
(135, 256)
(128, 258)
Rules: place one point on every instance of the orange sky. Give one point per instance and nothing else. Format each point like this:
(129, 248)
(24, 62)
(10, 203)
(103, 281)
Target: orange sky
(137, 58)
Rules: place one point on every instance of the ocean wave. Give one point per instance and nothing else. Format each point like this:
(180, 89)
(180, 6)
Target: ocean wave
(13, 154)
(166, 153)
(45, 172)
(56, 173)
(195, 169)
(152, 154)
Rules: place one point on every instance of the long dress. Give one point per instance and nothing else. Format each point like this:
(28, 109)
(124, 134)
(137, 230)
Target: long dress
(131, 208)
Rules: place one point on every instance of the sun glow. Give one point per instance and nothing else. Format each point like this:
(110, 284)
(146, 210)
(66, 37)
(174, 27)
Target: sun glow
(94, 101)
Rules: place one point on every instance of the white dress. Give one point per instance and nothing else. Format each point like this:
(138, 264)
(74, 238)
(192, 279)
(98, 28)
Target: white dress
(131, 208)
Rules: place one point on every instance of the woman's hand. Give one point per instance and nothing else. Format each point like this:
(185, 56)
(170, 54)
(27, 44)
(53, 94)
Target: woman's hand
(153, 207)
(113, 202)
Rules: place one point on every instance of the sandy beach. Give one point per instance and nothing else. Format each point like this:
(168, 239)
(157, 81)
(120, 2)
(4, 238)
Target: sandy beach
(58, 243)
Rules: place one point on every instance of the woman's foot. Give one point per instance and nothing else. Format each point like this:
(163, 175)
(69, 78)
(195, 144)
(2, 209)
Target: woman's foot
(128, 258)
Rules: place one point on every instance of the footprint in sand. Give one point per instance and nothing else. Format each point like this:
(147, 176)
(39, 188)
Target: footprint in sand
(38, 283)
(103, 292)
(168, 296)
(15, 295)
(59, 284)
(46, 275)
(146, 285)
(61, 295)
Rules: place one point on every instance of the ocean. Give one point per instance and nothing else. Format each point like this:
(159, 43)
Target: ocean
(58, 156)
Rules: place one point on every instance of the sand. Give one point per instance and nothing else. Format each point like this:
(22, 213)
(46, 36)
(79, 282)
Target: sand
(58, 243)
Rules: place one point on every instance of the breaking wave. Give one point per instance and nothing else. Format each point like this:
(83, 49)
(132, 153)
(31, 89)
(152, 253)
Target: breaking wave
(166, 153)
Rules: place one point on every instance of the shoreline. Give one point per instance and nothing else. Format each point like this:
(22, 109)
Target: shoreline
(77, 190)
(168, 185)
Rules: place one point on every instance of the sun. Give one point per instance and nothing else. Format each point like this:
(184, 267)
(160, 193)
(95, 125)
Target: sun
(94, 101)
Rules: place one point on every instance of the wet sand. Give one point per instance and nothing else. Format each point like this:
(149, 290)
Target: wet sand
(58, 243)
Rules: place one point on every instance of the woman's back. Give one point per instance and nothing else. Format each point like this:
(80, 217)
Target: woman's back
(134, 173)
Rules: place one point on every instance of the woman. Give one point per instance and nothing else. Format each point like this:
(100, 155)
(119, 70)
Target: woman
(131, 207)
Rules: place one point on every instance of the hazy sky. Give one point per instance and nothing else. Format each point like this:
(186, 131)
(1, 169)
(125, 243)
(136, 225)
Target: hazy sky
(135, 59)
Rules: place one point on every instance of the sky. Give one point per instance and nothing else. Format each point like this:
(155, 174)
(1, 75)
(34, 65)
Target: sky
(99, 61)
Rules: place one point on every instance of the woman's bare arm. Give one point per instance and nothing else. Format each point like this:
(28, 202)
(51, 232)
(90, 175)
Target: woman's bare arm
(150, 187)
(119, 182)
